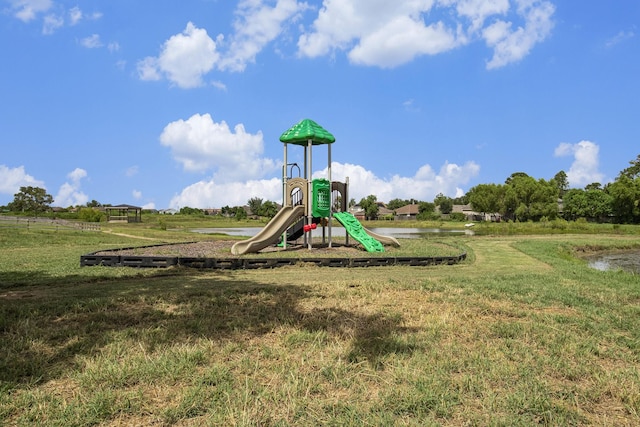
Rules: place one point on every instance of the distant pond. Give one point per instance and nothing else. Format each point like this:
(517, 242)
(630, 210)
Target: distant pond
(619, 260)
(398, 233)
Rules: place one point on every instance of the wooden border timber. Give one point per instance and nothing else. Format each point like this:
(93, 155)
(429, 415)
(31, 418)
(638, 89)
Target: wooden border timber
(92, 259)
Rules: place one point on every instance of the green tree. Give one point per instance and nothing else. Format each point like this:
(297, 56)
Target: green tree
(593, 186)
(239, 213)
(31, 199)
(90, 215)
(601, 204)
(527, 199)
(594, 204)
(516, 175)
(544, 200)
(562, 183)
(574, 204)
(426, 211)
(632, 171)
(445, 203)
(487, 198)
(255, 205)
(396, 203)
(370, 206)
(269, 209)
(186, 210)
(625, 198)
(462, 200)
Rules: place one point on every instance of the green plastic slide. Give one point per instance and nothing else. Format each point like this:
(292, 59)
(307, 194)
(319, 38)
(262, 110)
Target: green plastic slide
(358, 232)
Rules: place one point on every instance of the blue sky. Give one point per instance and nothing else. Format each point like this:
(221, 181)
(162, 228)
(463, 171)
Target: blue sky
(170, 104)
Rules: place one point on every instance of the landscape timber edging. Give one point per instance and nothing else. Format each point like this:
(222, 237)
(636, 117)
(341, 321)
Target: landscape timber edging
(145, 261)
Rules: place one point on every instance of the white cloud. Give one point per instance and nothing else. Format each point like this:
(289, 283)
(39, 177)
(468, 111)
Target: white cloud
(70, 193)
(424, 185)
(11, 179)
(200, 144)
(91, 42)
(27, 10)
(51, 23)
(401, 40)
(584, 169)
(410, 106)
(622, 36)
(131, 171)
(148, 69)
(209, 194)
(137, 195)
(54, 14)
(256, 26)
(75, 15)
(219, 85)
(184, 60)
(383, 34)
(477, 11)
(389, 34)
(511, 45)
(187, 57)
(77, 174)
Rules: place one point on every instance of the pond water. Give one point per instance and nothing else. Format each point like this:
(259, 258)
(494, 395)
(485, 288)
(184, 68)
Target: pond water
(398, 233)
(627, 260)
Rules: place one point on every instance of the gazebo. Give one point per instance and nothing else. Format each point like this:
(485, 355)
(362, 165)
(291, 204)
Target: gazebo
(124, 213)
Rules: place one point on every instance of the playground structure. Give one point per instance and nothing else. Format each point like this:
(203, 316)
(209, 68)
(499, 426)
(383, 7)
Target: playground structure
(308, 203)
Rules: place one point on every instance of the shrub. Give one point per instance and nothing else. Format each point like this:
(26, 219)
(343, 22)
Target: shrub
(90, 215)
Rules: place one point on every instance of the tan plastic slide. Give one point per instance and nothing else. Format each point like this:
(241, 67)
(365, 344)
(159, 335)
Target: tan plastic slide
(271, 232)
(385, 240)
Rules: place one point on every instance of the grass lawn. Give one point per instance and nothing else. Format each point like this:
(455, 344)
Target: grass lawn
(521, 333)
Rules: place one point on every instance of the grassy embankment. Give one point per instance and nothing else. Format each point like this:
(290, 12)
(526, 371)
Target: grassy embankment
(521, 333)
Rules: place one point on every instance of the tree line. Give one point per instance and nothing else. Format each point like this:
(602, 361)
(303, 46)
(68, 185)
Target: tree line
(520, 198)
(524, 198)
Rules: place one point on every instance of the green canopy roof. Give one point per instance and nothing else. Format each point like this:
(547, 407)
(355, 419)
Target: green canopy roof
(306, 130)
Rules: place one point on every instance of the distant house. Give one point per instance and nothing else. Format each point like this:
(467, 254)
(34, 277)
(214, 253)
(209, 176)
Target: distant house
(407, 212)
(466, 210)
(472, 215)
(358, 212)
(123, 213)
(385, 213)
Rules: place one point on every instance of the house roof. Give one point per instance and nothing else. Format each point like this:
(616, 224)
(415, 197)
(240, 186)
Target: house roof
(123, 207)
(411, 209)
(461, 208)
(384, 211)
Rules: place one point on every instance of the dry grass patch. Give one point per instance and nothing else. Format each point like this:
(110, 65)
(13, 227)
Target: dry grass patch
(519, 334)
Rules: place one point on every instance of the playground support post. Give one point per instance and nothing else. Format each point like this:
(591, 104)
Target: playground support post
(310, 191)
(330, 192)
(285, 196)
(346, 204)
